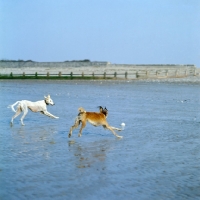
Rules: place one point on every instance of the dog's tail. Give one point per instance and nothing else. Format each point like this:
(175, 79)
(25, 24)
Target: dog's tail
(81, 110)
(12, 106)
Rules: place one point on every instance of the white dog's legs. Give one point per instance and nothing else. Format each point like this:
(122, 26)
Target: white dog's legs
(49, 114)
(23, 116)
(18, 112)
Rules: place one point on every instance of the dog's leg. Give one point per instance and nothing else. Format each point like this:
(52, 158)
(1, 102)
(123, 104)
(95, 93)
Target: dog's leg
(15, 115)
(110, 128)
(82, 127)
(25, 113)
(49, 114)
(76, 124)
(117, 129)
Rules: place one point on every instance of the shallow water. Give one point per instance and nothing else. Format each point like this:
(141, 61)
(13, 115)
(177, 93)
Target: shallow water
(158, 157)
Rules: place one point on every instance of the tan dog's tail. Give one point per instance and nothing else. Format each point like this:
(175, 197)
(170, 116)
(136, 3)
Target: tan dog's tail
(81, 110)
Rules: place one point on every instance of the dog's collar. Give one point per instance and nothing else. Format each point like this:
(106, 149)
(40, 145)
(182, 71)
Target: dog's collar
(46, 102)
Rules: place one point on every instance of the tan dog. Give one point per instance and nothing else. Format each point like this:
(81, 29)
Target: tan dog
(94, 118)
(38, 106)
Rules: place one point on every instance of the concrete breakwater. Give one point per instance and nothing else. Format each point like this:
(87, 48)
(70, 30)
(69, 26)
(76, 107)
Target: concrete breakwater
(95, 69)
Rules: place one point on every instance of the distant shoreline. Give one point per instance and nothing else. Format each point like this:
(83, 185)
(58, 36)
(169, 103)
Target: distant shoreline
(191, 79)
(93, 70)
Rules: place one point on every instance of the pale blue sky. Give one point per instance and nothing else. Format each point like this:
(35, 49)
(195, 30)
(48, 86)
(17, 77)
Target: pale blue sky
(119, 31)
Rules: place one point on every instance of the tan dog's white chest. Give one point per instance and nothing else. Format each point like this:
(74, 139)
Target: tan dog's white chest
(93, 122)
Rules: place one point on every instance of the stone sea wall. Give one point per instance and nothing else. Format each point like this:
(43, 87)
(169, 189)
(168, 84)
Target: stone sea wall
(98, 68)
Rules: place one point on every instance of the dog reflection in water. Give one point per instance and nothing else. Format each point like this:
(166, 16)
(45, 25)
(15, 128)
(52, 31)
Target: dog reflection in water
(38, 106)
(94, 118)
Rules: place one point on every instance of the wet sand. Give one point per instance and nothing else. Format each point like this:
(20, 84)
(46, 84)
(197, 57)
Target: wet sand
(158, 158)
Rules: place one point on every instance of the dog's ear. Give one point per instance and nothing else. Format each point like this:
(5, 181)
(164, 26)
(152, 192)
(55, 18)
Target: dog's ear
(100, 108)
(48, 97)
(105, 109)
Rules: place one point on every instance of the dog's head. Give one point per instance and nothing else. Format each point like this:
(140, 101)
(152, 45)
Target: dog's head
(48, 100)
(103, 110)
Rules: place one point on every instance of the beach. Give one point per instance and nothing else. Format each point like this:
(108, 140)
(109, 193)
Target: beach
(158, 157)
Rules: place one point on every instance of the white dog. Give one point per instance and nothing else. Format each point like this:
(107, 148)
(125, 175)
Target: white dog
(38, 106)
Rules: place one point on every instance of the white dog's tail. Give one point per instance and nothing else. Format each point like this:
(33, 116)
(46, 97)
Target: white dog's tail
(12, 106)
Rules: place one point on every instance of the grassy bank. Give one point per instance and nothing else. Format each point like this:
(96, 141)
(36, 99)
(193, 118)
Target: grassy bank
(53, 77)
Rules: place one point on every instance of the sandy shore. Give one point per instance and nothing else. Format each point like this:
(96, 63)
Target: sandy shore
(189, 79)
